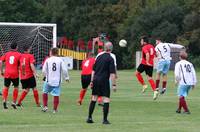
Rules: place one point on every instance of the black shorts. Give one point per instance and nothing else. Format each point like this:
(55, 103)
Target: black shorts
(85, 81)
(101, 87)
(7, 82)
(28, 83)
(148, 69)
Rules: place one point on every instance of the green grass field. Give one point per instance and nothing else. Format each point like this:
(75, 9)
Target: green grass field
(130, 110)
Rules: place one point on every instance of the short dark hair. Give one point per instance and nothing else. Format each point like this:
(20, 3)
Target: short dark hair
(54, 51)
(145, 39)
(13, 45)
(26, 47)
(183, 55)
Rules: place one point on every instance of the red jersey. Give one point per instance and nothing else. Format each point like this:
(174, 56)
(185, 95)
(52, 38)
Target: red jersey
(11, 60)
(87, 66)
(148, 48)
(25, 65)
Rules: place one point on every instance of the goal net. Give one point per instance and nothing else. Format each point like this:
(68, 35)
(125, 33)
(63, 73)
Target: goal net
(41, 37)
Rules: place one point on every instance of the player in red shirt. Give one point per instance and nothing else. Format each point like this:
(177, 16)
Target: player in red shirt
(87, 66)
(148, 54)
(28, 75)
(11, 74)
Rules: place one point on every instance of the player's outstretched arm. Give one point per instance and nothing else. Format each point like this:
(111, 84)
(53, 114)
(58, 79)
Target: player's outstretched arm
(178, 46)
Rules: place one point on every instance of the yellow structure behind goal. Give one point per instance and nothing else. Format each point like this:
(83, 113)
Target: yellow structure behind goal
(74, 54)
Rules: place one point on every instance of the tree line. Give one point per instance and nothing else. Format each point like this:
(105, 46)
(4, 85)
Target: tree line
(175, 21)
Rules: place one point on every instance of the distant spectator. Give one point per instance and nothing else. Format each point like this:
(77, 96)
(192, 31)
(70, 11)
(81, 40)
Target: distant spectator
(81, 45)
(63, 42)
(89, 46)
(71, 44)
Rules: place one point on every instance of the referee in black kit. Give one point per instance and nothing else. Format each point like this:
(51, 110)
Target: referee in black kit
(103, 70)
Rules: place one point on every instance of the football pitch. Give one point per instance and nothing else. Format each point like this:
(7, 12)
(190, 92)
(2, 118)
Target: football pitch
(130, 110)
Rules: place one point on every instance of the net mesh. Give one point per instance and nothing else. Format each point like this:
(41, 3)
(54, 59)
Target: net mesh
(40, 38)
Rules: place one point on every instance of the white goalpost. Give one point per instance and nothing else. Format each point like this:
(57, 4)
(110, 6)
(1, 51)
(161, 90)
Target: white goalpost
(40, 36)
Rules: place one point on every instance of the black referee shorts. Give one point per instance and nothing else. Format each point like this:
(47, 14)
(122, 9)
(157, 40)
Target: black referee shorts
(148, 69)
(7, 82)
(85, 81)
(101, 87)
(28, 83)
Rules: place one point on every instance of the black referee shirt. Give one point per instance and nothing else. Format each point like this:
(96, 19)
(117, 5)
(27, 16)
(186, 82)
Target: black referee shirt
(104, 66)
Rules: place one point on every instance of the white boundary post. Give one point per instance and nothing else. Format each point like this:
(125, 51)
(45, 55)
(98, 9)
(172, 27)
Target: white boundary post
(138, 58)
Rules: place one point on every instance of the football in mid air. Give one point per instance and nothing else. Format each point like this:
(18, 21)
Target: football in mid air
(122, 43)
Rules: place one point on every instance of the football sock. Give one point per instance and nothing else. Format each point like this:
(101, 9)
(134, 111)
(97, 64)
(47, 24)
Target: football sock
(100, 99)
(45, 99)
(164, 84)
(55, 102)
(105, 111)
(23, 95)
(82, 94)
(184, 104)
(15, 95)
(5, 94)
(140, 79)
(152, 83)
(91, 108)
(180, 103)
(157, 83)
(36, 96)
